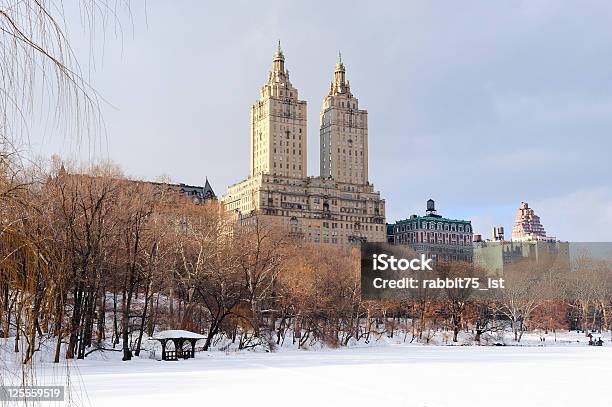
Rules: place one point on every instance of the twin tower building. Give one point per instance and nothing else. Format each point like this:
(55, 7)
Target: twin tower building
(340, 206)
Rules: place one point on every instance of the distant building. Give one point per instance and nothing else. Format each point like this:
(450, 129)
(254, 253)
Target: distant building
(433, 235)
(198, 194)
(529, 243)
(527, 226)
(494, 256)
(340, 206)
(497, 234)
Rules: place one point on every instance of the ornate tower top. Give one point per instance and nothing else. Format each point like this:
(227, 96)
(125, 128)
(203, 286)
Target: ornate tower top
(278, 62)
(278, 77)
(340, 85)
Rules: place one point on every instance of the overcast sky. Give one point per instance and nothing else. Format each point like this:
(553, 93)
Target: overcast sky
(478, 105)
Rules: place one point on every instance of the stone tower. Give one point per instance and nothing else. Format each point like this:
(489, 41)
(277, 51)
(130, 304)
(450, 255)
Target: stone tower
(340, 207)
(278, 125)
(344, 133)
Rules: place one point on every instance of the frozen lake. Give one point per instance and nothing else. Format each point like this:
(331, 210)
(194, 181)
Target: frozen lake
(398, 375)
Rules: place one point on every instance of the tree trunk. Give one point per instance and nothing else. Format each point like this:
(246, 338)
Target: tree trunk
(143, 318)
(59, 315)
(100, 334)
(125, 321)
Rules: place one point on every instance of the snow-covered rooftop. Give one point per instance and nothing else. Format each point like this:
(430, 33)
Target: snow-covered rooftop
(177, 334)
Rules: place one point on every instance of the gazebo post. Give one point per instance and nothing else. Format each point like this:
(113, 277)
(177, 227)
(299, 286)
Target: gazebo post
(163, 344)
(193, 342)
(176, 347)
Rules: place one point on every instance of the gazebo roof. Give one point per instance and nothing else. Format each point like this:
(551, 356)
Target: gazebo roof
(177, 334)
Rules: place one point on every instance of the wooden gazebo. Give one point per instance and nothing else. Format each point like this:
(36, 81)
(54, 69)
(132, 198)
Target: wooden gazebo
(178, 338)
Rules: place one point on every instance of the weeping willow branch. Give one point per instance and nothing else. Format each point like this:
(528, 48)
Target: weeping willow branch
(40, 72)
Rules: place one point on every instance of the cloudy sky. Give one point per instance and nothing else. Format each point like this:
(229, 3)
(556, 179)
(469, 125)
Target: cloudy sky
(477, 104)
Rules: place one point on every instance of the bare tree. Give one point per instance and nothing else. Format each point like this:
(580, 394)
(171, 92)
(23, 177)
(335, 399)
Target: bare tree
(262, 258)
(590, 292)
(207, 264)
(457, 296)
(526, 286)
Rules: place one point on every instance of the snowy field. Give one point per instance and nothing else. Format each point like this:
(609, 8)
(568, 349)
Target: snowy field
(392, 375)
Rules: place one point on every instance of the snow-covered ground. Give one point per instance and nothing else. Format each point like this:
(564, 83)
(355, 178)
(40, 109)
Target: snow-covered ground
(562, 374)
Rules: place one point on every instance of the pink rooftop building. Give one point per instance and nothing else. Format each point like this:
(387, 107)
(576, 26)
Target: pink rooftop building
(527, 225)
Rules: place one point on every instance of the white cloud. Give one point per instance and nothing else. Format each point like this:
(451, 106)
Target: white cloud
(584, 215)
(528, 159)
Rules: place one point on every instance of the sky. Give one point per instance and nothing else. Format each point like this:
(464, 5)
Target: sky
(478, 105)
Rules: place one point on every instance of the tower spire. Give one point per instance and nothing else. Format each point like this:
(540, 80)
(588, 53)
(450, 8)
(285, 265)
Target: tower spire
(279, 59)
(340, 85)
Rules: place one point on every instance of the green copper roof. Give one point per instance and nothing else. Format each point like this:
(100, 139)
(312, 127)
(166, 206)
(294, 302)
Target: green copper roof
(433, 219)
